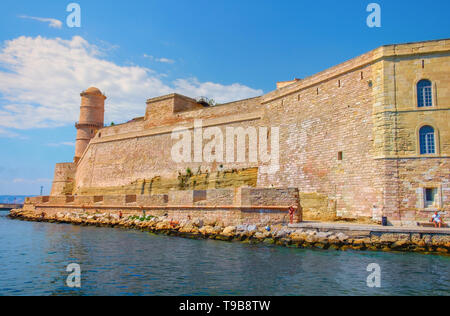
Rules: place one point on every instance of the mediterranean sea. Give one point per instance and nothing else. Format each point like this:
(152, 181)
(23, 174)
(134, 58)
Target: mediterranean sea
(34, 257)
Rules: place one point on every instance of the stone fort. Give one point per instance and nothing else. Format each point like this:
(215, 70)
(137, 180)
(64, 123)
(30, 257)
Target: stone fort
(364, 139)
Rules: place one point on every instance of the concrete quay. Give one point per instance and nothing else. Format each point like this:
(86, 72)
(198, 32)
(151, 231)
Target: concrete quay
(324, 226)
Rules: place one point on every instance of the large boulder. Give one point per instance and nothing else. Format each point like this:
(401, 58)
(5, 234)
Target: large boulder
(342, 237)
(207, 230)
(298, 236)
(197, 223)
(262, 235)
(229, 231)
(282, 233)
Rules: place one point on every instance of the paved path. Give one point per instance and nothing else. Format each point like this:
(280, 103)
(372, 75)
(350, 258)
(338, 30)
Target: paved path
(372, 228)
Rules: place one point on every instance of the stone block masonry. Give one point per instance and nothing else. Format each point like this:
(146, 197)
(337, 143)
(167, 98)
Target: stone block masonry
(349, 140)
(226, 206)
(64, 178)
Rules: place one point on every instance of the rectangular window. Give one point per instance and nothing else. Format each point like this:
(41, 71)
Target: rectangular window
(427, 143)
(340, 156)
(425, 97)
(430, 197)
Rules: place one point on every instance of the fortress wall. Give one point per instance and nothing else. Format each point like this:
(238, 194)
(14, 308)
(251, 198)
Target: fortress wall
(222, 110)
(317, 123)
(232, 217)
(114, 200)
(58, 200)
(314, 128)
(399, 104)
(129, 127)
(348, 138)
(63, 179)
(160, 110)
(369, 58)
(118, 163)
(138, 150)
(153, 200)
(267, 197)
(410, 70)
(372, 130)
(407, 173)
(180, 198)
(202, 181)
(405, 195)
(176, 109)
(267, 206)
(220, 216)
(220, 197)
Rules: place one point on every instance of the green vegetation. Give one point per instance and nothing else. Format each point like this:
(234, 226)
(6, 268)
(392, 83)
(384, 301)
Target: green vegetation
(140, 218)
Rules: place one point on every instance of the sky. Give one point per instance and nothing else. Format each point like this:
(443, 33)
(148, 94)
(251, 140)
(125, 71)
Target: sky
(134, 50)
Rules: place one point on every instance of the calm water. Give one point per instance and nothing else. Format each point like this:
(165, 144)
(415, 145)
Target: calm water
(34, 256)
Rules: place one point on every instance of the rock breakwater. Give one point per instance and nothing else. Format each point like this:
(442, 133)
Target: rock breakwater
(274, 235)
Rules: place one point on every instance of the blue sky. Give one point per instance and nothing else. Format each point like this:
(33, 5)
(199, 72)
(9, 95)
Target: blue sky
(133, 50)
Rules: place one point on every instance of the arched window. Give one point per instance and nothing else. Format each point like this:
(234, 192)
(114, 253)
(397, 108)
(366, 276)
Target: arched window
(427, 140)
(424, 93)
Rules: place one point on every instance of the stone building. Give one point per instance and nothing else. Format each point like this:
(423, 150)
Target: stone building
(367, 138)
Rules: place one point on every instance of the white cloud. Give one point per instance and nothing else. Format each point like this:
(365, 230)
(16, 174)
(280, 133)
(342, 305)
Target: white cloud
(32, 181)
(51, 22)
(165, 60)
(160, 60)
(216, 91)
(71, 144)
(41, 80)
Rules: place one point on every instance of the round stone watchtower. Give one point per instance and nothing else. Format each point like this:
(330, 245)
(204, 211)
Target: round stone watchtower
(92, 114)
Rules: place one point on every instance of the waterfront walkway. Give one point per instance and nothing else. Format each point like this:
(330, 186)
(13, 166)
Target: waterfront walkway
(323, 226)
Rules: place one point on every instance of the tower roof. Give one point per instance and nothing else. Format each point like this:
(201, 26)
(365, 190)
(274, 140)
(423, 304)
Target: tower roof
(92, 91)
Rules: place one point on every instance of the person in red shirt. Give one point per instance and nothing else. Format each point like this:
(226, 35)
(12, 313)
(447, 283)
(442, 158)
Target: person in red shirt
(291, 214)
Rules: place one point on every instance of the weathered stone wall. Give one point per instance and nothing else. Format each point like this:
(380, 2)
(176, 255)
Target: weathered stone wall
(194, 181)
(229, 206)
(407, 173)
(348, 139)
(317, 207)
(269, 197)
(398, 106)
(322, 123)
(118, 129)
(120, 162)
(367, 109)
(63, 180)
(405, 194)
